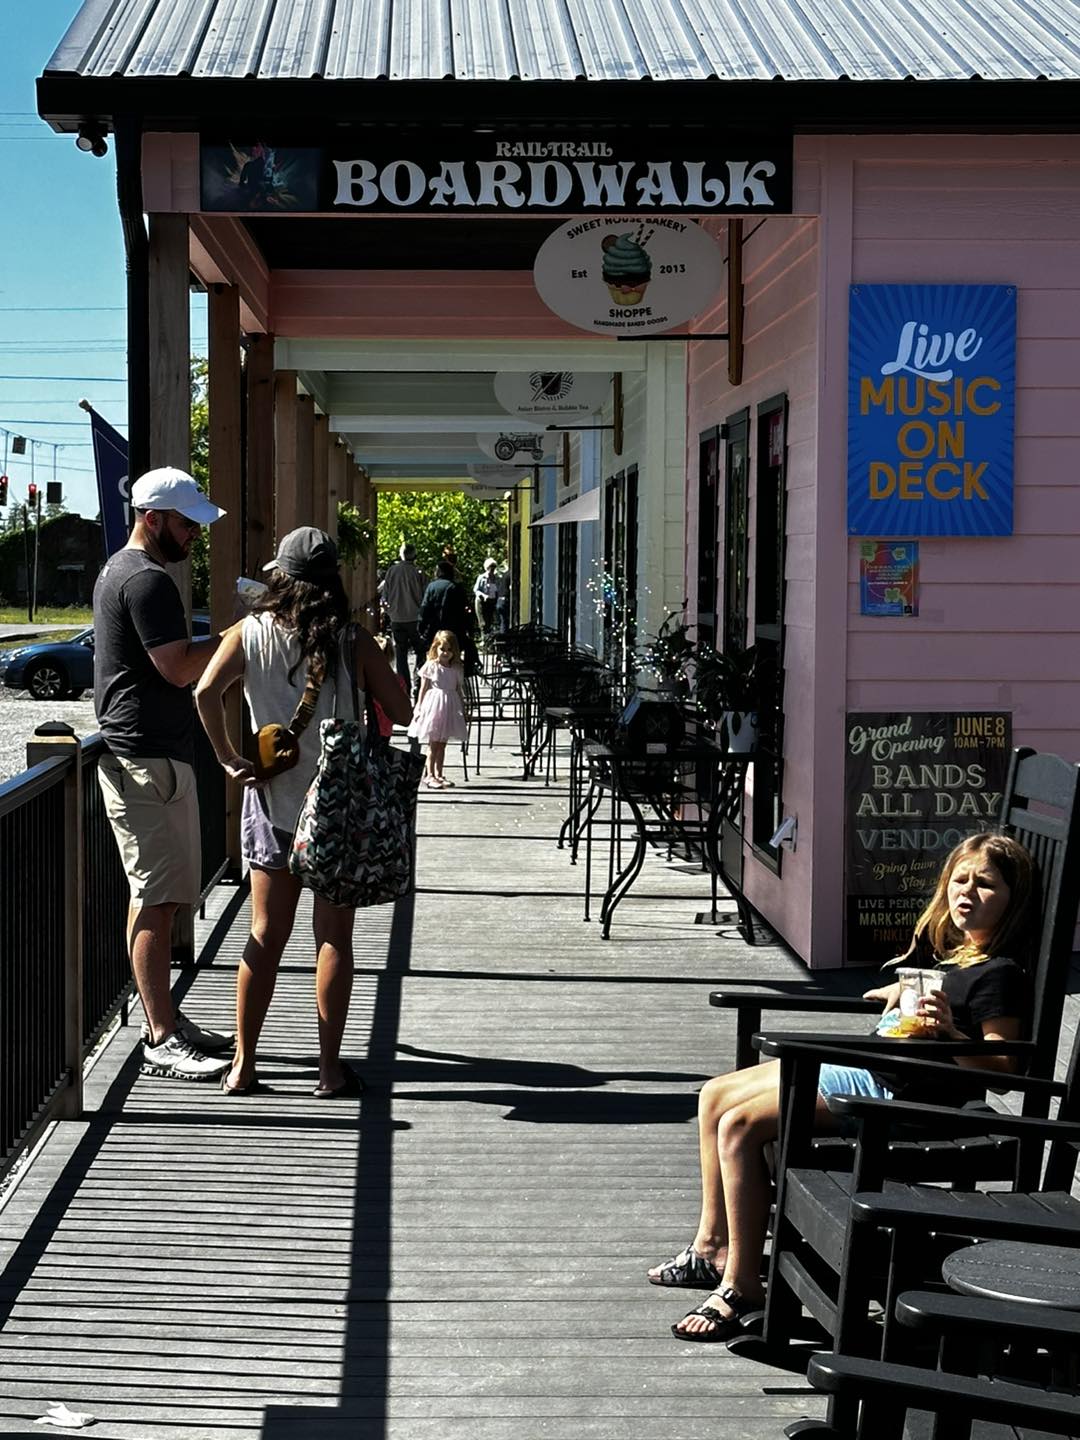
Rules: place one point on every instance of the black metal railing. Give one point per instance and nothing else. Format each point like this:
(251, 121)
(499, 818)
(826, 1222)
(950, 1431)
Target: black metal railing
(107, 983)
(64, 970)
(210, 787)
(33, 1061)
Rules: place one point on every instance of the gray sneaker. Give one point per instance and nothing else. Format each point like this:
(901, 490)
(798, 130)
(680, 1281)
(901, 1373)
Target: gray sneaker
(177, 1059)
(208, 1041)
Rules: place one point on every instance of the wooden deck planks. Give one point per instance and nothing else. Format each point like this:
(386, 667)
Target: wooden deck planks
(459, 1256)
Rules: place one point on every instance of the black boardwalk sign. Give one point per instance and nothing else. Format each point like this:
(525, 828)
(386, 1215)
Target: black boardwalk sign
(915, 785)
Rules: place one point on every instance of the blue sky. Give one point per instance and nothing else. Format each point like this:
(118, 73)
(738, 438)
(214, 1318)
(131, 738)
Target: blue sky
(61, 252)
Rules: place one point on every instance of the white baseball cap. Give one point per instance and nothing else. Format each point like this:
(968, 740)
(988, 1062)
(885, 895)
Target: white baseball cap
(172, 489)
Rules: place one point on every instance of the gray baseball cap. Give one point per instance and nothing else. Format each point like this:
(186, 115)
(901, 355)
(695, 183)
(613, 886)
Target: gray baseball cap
(306, 554)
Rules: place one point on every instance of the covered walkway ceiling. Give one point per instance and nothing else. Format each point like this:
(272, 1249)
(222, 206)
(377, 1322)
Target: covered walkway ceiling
(413, 412)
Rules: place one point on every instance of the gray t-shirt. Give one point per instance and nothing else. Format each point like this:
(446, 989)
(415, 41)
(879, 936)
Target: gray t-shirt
(136, 608)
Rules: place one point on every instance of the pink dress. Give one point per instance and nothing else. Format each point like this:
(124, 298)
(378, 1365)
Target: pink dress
(440, 714)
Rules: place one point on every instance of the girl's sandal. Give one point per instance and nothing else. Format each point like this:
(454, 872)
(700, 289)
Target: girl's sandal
(688, 1271)
(724, 1327)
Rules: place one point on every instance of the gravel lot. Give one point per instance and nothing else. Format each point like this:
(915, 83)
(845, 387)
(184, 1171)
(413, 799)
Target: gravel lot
(20, 714)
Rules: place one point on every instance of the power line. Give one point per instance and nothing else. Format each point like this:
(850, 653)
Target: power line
(80, 379)
(52, 424)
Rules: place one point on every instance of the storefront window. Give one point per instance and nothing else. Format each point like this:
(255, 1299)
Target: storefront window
(770, 478)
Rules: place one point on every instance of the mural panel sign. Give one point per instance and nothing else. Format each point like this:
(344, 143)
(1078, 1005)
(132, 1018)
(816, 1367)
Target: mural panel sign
(931, 409)
(915, 785)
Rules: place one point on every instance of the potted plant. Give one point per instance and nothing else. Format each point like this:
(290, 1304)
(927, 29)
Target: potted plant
(726, 688)
(667, 655)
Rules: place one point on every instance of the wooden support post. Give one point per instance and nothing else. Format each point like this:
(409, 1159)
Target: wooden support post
(335, 485)
(286, 509)
(320, 476)
(170, 418)
(226, 539)
(170, 360)
(735, 302)
(49, 743)
(259, 509)
(305, 448)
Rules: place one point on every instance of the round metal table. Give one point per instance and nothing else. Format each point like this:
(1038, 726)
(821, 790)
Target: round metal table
(1013, 1270)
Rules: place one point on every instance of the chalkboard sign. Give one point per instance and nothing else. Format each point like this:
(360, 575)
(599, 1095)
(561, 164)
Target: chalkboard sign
(915, 786)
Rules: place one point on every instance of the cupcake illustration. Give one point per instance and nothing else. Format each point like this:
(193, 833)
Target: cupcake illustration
(627, 268)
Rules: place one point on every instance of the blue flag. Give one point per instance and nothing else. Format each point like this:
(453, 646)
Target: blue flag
(111, 463)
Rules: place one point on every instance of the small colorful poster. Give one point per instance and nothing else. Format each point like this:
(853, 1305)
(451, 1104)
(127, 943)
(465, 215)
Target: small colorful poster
(889, 577)
(628, 274)
(915, 785)
(931, 409)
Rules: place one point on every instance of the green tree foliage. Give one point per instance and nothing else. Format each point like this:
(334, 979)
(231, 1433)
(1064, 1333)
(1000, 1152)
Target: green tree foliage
(200, 468)
(433, 520)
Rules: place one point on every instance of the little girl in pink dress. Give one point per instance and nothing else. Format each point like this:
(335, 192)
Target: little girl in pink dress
(440, 709)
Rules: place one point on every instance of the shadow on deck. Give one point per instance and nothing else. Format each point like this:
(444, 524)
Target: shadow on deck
(462, 1253)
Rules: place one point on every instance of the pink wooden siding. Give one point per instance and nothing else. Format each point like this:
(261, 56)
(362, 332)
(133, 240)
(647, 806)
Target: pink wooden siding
(780, 275)
(1000, 618)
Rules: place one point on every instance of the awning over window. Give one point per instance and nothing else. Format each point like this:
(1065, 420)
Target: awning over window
(585, 507)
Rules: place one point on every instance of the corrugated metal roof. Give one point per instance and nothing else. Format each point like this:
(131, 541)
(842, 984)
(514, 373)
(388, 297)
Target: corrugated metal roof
(575, 39)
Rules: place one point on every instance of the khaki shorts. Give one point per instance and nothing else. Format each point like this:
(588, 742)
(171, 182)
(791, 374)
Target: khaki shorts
(154, 812)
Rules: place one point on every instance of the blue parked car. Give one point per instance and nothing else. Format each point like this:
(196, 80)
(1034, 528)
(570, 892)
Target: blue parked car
(60, 669)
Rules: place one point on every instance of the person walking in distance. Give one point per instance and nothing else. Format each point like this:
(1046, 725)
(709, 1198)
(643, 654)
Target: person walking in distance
(485, 594)
(402, 589)
(440, 711)
(144, 664)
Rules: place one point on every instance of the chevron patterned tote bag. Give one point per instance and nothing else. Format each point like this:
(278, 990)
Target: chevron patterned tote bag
(355, 837)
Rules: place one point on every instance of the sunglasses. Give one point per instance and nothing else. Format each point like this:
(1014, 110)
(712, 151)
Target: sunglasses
(189, 525)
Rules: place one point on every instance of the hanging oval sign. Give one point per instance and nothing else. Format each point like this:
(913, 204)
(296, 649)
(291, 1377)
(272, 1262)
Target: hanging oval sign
(496, 479)
(628, 274)
(518, 447)
(546, 396)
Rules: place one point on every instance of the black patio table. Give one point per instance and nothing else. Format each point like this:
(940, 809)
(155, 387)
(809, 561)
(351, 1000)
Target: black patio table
(1015, 1270)
(647, 784)
(1046, 1276)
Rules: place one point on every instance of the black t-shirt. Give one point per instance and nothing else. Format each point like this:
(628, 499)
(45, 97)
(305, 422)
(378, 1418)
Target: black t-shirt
(986, 991)
(990, 990)
(137, 607)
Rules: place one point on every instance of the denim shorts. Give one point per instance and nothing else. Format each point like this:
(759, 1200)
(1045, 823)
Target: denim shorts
(850, 1080)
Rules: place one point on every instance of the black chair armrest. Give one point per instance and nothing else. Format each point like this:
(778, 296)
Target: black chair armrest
(751, 1003)
(898, 1057)
(945, 1314)
(959, 1395)
(956, 1122)
(770, 1000)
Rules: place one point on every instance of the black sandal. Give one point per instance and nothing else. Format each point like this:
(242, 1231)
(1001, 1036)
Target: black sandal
(688, 1271)
(723, 1326)
(351, 1085)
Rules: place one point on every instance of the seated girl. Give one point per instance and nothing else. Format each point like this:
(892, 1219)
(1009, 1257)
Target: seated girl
(978, 926)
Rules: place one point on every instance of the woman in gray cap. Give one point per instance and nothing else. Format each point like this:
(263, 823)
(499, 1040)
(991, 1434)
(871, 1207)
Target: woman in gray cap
(295, 632)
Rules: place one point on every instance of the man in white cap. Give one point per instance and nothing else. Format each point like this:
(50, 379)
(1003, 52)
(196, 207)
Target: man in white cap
(144, 665)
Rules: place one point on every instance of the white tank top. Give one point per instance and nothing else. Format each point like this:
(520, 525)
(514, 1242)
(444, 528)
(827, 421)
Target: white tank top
(270, 652)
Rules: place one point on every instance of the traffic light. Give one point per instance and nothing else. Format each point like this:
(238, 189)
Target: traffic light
(32, 495)
(3, 489)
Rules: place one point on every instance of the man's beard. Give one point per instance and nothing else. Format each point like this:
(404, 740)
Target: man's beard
(172, 549)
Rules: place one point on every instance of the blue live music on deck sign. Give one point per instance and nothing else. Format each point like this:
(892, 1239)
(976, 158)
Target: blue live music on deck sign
(931, 409)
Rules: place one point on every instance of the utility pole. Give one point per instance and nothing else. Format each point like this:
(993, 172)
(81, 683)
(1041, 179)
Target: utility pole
(26, 564)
